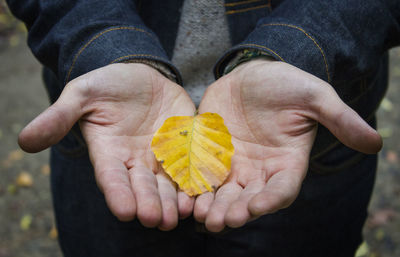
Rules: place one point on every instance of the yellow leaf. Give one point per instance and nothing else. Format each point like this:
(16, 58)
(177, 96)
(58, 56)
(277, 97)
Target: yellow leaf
(24, 179)
(25, 222)
(380, 234)
(45, 170)
(12, 189)
(53, 234)
(14, 40)
(386, 105)
(362, 250)
(195, 151)
(3, 18)
(15, 155)
(21, 27)
(385, 132)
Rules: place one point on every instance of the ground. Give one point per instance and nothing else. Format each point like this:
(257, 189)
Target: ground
(26, 219)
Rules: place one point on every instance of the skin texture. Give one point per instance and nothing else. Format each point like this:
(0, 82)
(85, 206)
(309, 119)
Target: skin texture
(271, 109)
(119, 107)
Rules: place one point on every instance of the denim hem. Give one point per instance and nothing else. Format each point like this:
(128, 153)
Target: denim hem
(117, 44)
(285, 42)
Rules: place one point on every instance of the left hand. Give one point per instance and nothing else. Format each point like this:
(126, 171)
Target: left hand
(119, 107)
(271, 109)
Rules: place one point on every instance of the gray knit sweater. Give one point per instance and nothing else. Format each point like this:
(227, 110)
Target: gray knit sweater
(203, 37)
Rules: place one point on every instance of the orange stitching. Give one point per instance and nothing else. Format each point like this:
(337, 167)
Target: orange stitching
(242, 2)
(264, 47)
(270, 5)
(246, 9)
(315, 42)
(134, 55)
(94, 38)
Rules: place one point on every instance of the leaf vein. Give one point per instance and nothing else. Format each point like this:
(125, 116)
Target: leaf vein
(212, 156)
(213, 129)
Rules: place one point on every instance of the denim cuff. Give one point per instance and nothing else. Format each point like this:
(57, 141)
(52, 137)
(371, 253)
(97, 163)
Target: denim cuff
(245, 56)
(115, 45)
(283, 42)
(160, 67)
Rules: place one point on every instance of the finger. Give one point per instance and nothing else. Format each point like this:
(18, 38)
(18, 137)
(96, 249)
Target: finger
(113, 180)
(185, 205)
(148, 202)
(227, 194)
(346, 124)
(53, 124)
(280, 191)
(238, 213)
(169, 202)
(202, 205)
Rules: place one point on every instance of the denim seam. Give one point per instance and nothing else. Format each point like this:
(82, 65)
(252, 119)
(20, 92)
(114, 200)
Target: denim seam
(270, 5)
(96, 37)
(134, 55)
(310, 37)
(246, 9)
(357, 97)
(241, 2)
(334, 144)
(331, 146)
(253, 45)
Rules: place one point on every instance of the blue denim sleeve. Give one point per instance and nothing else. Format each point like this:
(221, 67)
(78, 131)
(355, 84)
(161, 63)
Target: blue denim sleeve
(334, 40)
(75, 37)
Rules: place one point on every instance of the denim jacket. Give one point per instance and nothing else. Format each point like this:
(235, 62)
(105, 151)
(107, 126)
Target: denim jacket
(343, 42)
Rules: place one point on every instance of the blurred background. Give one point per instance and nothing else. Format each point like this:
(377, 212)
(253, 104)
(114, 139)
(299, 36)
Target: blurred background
(26, 214)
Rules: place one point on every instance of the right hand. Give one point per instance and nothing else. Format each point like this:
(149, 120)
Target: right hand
(119, 107)
(271, 109)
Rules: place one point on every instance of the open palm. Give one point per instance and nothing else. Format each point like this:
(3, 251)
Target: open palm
(272, 109)
(119, 107)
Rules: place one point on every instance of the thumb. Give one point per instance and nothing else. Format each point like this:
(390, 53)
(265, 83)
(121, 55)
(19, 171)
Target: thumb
(54, 123)
(346, 124)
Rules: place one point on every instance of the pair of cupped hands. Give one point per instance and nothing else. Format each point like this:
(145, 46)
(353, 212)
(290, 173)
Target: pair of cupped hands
(271, 109)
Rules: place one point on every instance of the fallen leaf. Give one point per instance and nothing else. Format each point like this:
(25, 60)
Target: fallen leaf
(386, 105)
(381, 217)
(21, 27)
(3, 18)
(15, 155)
(391, 156)
(12, 189)
(24, 179)
(14, 40)
(53, 234)
(379, 234)
(362, 250)
(195, 151)
(45, 170)
(25, 222)
(385, 132)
